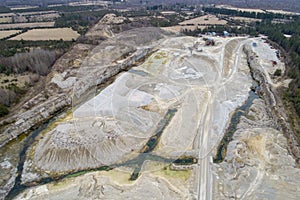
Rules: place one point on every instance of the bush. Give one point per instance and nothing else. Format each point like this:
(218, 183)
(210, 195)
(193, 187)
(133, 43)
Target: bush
(277, 72)
(5, 69)
(3, 110)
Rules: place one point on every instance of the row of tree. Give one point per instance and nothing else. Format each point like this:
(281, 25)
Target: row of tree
(11, 47)
(257, 15)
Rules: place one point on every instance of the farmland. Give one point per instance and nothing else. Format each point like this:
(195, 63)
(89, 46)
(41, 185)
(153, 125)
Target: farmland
(196, 23)
(204, 20)
(48, 34)
(4, 34)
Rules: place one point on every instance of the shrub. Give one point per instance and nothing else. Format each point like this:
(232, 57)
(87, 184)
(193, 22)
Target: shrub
(277, 72)
(3, 110)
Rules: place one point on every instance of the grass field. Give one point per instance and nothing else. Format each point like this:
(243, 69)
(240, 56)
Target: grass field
(179, 28)
(4, 34)
(204, 20)
(66, 34)
(196, 23)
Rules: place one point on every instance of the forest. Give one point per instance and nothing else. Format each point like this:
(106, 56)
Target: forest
(80, 21)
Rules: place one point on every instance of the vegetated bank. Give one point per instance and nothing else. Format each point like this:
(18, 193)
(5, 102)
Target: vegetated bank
(241, 111)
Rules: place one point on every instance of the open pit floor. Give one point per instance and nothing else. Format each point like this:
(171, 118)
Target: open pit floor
(204, 84)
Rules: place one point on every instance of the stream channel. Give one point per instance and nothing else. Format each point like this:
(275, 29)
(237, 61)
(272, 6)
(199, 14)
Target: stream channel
(241, 111)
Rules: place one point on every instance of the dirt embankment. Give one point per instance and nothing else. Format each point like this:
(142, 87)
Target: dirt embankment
(274, 102)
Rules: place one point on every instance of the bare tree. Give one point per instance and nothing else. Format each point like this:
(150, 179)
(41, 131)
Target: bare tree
(37, 61)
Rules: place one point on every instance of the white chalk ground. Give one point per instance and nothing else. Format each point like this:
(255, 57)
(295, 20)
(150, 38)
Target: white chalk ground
(204, 86)
(267, 55)
(173, 77)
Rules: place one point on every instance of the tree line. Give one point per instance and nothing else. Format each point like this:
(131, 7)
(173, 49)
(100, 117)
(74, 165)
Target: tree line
(257, 15)
(276, 33)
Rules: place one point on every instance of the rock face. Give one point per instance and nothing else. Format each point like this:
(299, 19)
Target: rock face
(45, 104)
(78, 72)
(273, 101)
(92, 138)
(258, 163)
(8, 167)
(38, 114)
